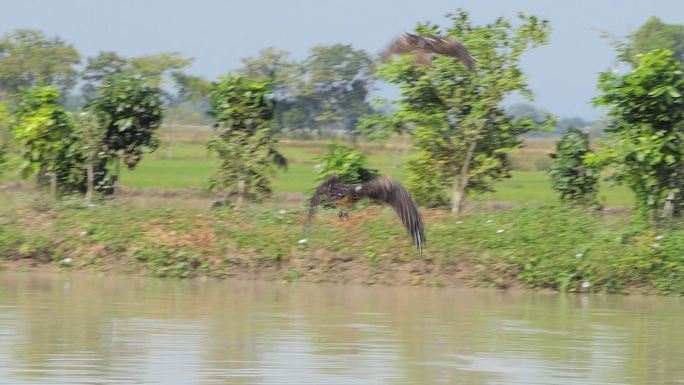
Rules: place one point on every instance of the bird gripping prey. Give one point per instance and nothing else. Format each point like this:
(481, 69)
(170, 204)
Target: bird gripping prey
(425, 46)
(381, 189)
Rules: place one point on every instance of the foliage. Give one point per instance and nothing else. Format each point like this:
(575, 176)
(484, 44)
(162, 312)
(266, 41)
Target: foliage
(462, 136)
(29, 58)
(346, 162)
(130, 110)
(326, 91)
(91, 134)
(653, 34)
(244, 142)
(103, 66)
(46, 136)
(339, 81)
(646, 111)
(576, 181)
(190, 88)
(5, 123)
(157, 69)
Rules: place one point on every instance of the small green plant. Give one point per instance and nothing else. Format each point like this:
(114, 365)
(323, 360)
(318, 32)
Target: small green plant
(576, 181)
(346, 162)
(162, 262)
(244, 142)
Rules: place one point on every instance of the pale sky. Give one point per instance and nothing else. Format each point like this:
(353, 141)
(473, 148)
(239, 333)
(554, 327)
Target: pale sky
(219, 33)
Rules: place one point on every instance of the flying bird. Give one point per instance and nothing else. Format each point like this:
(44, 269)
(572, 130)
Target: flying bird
(381, 189)
(426, 46)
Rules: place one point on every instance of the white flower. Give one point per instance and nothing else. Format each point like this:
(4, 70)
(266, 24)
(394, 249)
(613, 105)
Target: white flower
(655, 245)
(489, 221)
(658, 238)
(579, 255)
(499, 231)
(83, 233)
(302, 241)
(282, 211)
(67, 261)
(459, 222)
(586, 285)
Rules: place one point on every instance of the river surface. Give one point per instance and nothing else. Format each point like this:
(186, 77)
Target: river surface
(86, 329)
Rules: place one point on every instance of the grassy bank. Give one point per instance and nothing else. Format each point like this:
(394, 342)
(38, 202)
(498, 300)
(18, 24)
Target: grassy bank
(533, 246)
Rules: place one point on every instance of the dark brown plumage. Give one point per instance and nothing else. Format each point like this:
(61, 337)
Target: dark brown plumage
(381, 189)
(425, 46)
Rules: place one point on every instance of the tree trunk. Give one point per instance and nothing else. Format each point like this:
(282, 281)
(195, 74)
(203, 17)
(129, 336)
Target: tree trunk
(90, 182)
(117, 175)
(461, 182)
(668, 209)
(457, 195)
(490, 195)
(241, 193)
(53, 185)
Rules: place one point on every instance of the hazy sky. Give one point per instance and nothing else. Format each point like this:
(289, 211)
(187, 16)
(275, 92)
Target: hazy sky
(219, 33)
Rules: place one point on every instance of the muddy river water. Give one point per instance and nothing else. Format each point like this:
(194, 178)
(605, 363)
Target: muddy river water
(89, 329)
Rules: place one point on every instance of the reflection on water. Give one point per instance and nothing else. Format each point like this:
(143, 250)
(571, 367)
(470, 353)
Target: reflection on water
(84, 329)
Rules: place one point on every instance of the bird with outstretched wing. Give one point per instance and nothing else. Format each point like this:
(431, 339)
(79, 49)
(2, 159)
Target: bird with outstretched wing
(426, 46)
(382, 189)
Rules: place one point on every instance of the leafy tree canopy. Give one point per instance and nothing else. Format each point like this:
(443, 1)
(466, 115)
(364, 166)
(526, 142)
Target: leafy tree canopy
(29, 58)
(646, 148)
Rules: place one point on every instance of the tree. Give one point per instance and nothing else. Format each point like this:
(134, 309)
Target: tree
(190, 88)
(346, 162)
(92, 136)
(654, 34)
(45, 133)
(462, 135)
(339, 78)
(130, 111)
(245, 142)
(102, 66)
(572, 177)
(287, 80)
(157, 69)
(646, 148)
(29, 58)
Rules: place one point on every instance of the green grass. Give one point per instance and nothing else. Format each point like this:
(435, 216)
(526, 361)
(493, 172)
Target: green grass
(187, 165)
(543, 246)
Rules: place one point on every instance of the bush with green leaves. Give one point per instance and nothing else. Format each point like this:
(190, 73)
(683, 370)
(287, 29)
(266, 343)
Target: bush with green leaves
(45, 134)
(244, 140)
(346, 162)
(646, 132)
(130, 111)
(575, 181)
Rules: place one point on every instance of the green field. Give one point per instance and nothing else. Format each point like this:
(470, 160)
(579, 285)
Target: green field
(182, 163)
(187, 165)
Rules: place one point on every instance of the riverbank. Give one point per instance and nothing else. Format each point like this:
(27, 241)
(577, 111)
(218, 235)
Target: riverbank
(545, 246)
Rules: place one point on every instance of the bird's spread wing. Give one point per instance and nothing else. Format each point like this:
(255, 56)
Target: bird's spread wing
(423, 46)
(391, 192)
(324, 192)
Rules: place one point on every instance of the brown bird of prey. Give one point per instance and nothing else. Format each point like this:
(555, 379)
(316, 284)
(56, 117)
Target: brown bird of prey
(381, 189)
(426, 46)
